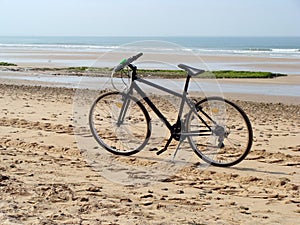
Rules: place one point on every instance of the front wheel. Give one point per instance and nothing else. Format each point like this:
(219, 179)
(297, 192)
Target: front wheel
(120, 123)
(220, 132)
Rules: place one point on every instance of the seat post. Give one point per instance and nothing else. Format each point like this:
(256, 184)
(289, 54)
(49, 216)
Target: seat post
(183, 100)
(187, 81)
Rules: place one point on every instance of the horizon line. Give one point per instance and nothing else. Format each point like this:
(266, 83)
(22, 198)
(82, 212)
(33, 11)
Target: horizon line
(160, 36)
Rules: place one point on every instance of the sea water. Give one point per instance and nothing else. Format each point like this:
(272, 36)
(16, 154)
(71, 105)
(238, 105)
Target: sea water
(259, 46)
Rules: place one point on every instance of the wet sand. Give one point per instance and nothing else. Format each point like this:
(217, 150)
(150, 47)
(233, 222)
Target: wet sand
(281, 89)
(97, 58)
(45, 179)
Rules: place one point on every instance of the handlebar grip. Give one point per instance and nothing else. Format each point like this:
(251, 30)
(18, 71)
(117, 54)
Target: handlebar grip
(126, 62)
(119, 67)
(133, 58)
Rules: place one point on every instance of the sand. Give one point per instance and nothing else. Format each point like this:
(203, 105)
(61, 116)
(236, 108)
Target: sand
(45, 177)
(47, 173)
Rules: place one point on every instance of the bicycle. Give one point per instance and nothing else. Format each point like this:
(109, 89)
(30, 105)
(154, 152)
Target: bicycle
(218, 130)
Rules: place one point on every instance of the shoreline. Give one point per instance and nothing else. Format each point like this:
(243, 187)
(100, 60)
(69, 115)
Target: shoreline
(279, 89)
(93, 58)
(267, 88)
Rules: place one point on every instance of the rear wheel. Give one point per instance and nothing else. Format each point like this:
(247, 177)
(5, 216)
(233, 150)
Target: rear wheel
(123, 137)
(221, 133)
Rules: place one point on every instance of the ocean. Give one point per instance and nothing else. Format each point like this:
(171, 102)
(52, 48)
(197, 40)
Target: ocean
(274, 54)
(287, 47)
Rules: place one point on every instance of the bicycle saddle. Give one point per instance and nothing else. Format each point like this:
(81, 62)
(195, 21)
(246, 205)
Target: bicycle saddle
(191, 70)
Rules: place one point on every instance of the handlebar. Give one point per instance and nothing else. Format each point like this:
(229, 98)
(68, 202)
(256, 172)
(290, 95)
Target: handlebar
(126, 62)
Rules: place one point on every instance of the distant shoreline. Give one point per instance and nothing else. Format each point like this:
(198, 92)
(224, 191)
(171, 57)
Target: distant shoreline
(280, 89)
(154, 73)
(31, 57)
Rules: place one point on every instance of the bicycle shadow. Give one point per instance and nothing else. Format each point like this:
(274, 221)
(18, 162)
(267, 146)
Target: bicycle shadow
(166, 159)
(248, 169)
(203, 165)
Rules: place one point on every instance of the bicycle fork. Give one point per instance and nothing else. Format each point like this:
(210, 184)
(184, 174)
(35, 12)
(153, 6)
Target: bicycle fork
(124, 108)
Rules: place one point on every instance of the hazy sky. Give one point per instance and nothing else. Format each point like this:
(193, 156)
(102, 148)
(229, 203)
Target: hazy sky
(150, 17)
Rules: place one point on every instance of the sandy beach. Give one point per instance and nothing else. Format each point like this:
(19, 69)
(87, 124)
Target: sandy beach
(45, 178)
(230, 155)
(49, 172)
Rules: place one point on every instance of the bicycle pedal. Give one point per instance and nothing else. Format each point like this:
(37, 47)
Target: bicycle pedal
(161, 151)
(166, 146)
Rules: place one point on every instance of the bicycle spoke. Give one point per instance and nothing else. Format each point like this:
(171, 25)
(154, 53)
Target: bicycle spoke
(231, 136)
(127, 137)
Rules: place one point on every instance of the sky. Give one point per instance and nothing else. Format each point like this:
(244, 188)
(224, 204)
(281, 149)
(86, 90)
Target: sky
(149, 17)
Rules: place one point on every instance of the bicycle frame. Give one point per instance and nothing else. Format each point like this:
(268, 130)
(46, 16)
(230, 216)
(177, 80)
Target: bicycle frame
(176, 129)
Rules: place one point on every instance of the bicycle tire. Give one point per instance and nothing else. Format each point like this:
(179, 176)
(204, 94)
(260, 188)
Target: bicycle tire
(127, 138)
(228, 140)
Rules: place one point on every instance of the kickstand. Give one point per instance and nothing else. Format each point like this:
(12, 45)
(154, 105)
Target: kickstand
(175, 153)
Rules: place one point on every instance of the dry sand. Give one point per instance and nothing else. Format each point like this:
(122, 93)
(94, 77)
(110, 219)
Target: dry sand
(44, 178)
